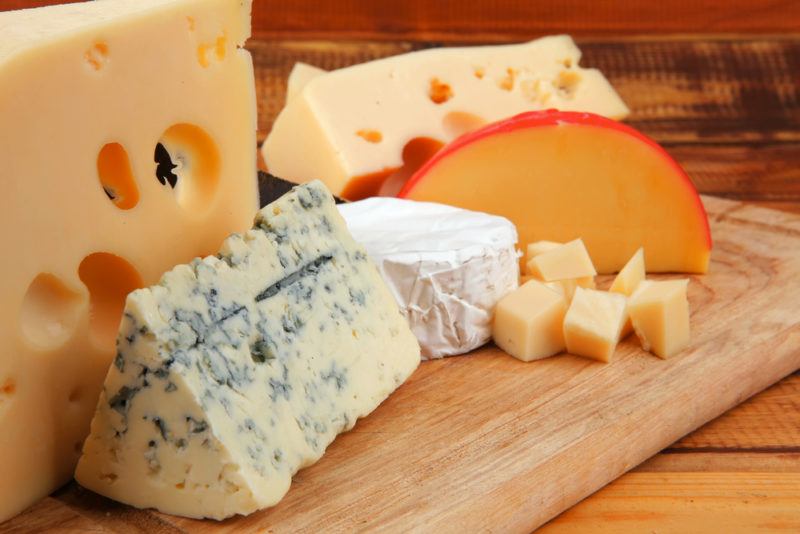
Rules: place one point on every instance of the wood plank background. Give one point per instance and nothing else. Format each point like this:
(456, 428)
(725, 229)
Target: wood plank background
(502, 20)
(723, 97)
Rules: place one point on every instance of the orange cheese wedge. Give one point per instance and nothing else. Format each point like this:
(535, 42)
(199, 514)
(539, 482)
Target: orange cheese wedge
(563, 175)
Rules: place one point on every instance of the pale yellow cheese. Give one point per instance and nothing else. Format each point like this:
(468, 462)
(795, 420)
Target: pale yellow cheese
(593, 323)
(568, 261)
(301, 74)
(87, 92)
(528, 322)
(436, 94)
(536, 248)
(660, 315)
(627, 280)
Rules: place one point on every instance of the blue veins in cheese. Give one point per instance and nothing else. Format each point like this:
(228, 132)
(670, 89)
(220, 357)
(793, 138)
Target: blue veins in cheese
(239, 369)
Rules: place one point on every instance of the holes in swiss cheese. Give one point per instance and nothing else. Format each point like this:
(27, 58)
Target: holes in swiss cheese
(8, 388)
(439, 92)
(49, 312)
(97, 56)
(457, 123)
(187, 160)
(370, 136)
(109, 279)
(415, 153)
(116, 176)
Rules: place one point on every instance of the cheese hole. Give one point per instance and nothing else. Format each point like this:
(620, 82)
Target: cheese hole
(220, 47)
(506, 83)
(49, 312)
(370, 136)
(187, 160)
(109, 279)
(390, 181)
(457, 123)
(116, 176)
(202, 55)
(479, 72)
(439, 92)
(97, 56)
(191, 23)
(567, 82)
(8, 388)
(415, 153)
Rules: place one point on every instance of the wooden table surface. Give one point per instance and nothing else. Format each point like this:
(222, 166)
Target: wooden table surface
(728, 108)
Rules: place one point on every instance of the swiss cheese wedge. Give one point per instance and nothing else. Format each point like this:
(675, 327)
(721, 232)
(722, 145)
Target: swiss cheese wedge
(127, 133)
(564, 175)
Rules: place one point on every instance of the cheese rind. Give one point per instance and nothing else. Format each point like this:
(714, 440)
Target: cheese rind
(593, 323)
(446, 267)
(89, 88)
(418, 95)
(238, 370)
(528, 322)
(659, 312)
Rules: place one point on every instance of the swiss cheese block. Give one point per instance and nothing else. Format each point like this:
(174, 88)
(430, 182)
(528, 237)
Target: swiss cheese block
(90, 95)
(365, 123)
(593, 323)
(239, 369)
(528, 322)
(660, 315)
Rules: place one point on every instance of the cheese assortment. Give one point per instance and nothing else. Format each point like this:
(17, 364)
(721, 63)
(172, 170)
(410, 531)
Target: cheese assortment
(233, 371)
(446, 267)
(365, 123)
(90, 94)
(239, 369)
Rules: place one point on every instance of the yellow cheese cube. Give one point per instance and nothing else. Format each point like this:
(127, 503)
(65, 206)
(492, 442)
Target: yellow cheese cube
(534, 249)
(570, 260)
(593, 323)
(527, 322)
(628, 280)
(660, 315)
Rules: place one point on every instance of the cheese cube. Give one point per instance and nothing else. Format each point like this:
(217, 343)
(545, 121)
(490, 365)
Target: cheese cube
(357, 122)
(627, 280)
(90, 94)
(241, 368)
(528, 322)
(593, 323)
(568, 261)
(301, 74)
(660, 315)
(534, 249)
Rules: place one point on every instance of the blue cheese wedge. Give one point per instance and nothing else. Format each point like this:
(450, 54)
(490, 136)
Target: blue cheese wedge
(239, 369)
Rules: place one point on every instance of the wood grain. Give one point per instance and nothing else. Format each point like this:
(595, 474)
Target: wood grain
(488, 442)
(503, 20)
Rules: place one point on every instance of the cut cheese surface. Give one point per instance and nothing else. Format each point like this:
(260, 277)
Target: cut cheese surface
(534, 249)
(561, 176)
(528, 322)
(88, 94)
(239, 369)
(660, 315)
(301, 74)
(567, 286)
(593, 323)
(564, 262)
(627, 280)
(360, 123)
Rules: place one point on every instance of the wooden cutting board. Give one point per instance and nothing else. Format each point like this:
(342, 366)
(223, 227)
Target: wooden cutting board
(488, 443)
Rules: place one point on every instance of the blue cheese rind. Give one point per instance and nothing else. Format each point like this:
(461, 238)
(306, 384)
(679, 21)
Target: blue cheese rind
(239, 369)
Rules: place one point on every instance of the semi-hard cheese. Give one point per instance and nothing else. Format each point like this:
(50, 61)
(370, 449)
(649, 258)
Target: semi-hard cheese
(593, 323)
(564, 262)
(446, 267)
(239, 369)
(660, 315)
(363, 124)
(127, 145)
(627, 280)
(529, 322)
